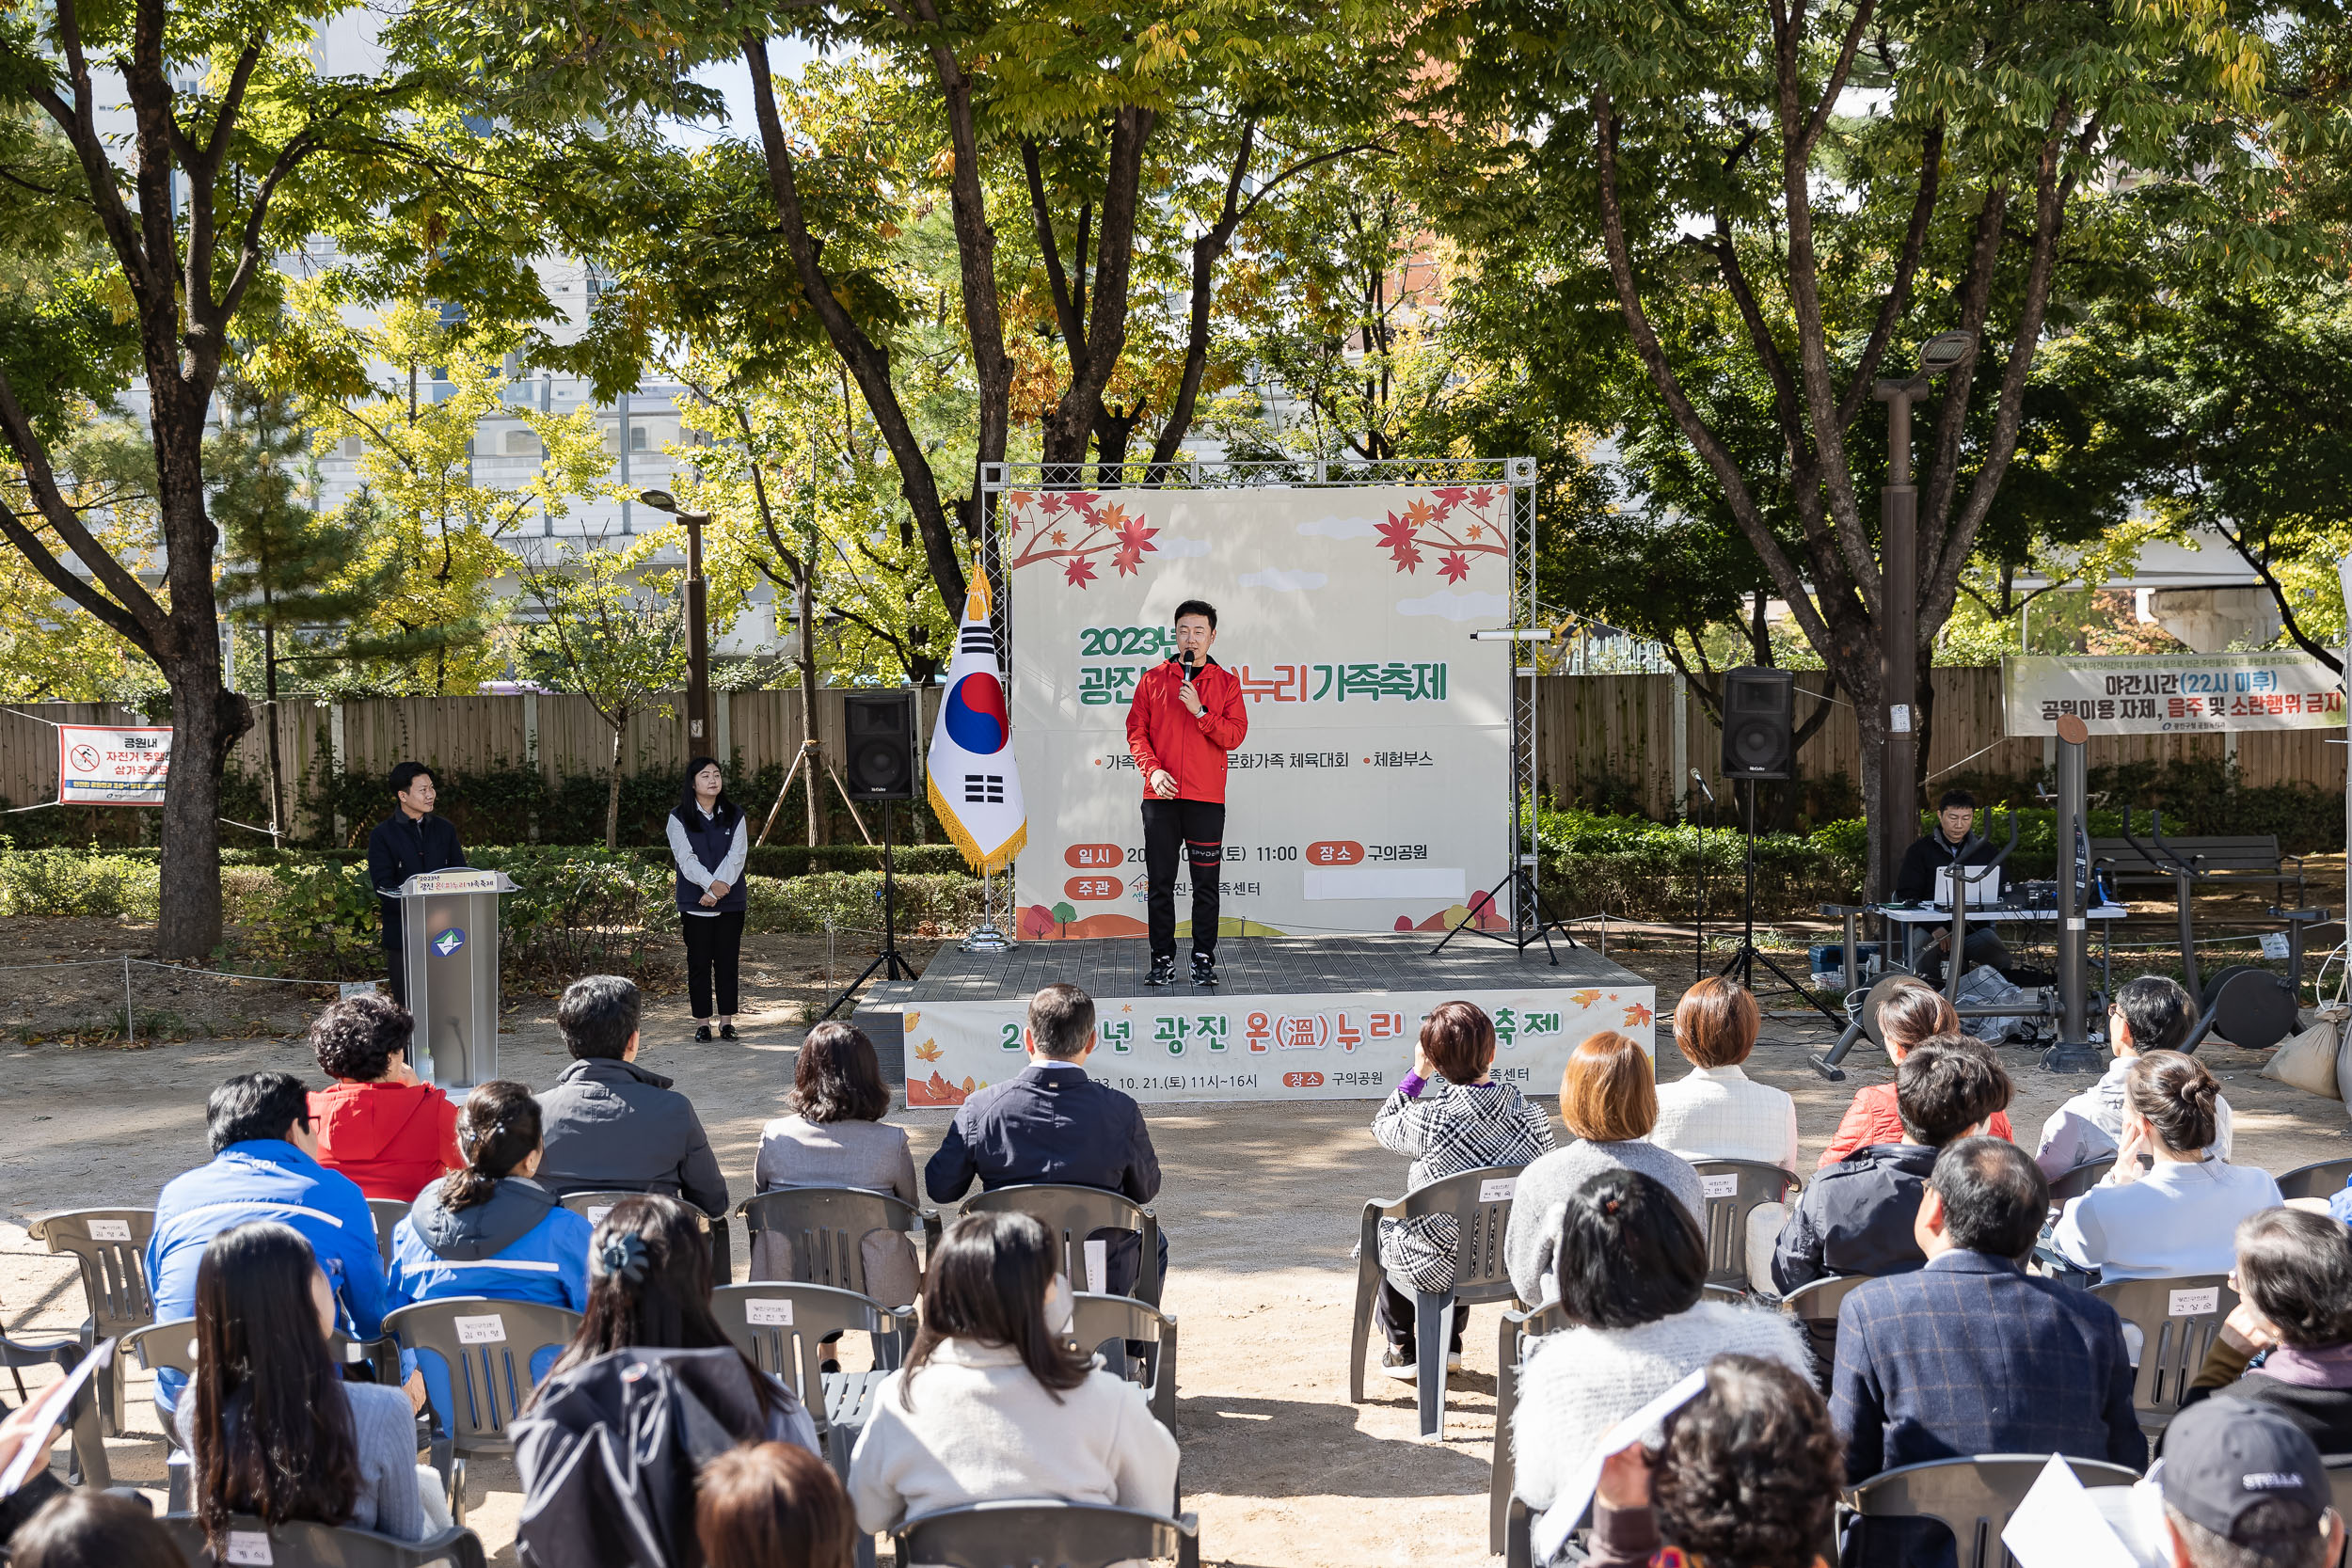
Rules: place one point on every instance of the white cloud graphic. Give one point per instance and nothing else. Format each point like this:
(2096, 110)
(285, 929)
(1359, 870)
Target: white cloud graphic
(1169, 545)
(1456, 607)
(1339, 528)
(1284, 582)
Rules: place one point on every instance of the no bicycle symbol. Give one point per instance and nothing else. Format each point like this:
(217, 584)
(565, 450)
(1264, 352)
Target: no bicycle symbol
(84, 758)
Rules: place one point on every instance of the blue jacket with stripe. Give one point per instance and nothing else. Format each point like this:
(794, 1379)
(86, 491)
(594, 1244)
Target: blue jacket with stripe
(265, 1179)
(522, 1244)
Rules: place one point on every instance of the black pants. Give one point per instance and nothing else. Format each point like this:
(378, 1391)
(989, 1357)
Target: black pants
(1393, 1310)
(1985, 946)
(1198, 826)
(713, 941)
(396, 960)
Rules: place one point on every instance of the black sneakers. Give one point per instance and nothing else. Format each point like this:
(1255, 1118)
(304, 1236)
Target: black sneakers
(1203, 969)
(1163, 973)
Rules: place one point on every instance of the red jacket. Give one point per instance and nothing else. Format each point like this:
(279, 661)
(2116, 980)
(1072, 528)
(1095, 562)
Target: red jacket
(389, 1138)
(1872, 1119)
(1162, 731)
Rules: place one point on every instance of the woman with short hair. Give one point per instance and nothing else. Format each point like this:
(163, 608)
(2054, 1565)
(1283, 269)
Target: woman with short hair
(709, 841)
(2294, 1279)
(380, 1124)
(1632, 1276)
(1448, 1115)
(994, 1402)
(1717, 1112)
(771, 1505)
(835, 1137)
(1610, 1105)
(2181, 1216)
(1915, 1012)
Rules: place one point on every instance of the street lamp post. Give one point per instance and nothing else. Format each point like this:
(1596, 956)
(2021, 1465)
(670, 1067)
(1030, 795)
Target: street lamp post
(1898, 609)
(697, 627)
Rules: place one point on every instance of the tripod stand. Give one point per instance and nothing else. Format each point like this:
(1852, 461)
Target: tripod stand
(1749, 955)
(1524, 895)
(897, 967)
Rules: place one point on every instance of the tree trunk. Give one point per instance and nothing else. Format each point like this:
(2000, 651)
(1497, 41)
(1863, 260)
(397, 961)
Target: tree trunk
(612, 788)
(205, 724)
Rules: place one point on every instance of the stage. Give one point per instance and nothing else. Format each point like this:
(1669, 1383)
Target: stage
(1314, 1018)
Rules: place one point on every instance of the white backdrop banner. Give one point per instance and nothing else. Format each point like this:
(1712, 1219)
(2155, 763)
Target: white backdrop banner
(1373, 793)
(2172, 693)
(1351, 1047)
(108, 765)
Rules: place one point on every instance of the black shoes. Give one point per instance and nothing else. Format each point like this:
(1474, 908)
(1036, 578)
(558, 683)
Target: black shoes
(1163, 973)
(1203, 969)
(726, 1031)
(701, 1033)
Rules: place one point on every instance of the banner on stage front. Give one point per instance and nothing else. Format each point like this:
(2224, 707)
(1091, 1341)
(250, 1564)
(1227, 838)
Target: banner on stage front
(1373, 792)
(2184, 693)
(1354, 1046)
(112, 764)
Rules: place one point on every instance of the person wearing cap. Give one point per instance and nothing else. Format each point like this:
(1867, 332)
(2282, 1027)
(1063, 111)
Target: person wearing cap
(2243, 1487)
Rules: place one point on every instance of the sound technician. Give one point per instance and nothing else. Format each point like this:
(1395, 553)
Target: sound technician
(1185, 717)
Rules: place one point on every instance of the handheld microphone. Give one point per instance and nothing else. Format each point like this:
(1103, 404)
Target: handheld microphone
(1699, 779)
(1185, 659)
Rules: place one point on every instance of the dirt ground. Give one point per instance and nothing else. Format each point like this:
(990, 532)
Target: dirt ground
(1261, 1204)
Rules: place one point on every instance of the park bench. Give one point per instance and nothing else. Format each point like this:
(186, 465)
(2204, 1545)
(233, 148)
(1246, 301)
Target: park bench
(2220, 860)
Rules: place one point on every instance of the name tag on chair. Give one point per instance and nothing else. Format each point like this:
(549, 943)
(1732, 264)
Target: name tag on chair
(119, 1231)
(597, 1212)
(2190, 1303)
(487, 1330)
(768, 1312)
(1098, 1267)
(1719, 1186)
(249, 1545)
(1497, 1189)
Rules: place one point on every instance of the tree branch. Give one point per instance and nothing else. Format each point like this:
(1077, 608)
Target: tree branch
(1065, 310)
(1898, 298)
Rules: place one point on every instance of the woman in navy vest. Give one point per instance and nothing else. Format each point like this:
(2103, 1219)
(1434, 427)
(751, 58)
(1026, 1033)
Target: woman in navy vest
(709, 840)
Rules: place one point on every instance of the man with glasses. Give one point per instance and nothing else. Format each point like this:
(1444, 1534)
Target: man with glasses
(2149, 1013)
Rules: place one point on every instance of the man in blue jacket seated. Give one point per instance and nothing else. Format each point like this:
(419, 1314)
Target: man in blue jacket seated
(264, 1166)
(1053, 1123)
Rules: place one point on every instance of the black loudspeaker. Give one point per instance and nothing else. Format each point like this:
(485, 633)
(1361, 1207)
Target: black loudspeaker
(1759, 723)
(879, 758)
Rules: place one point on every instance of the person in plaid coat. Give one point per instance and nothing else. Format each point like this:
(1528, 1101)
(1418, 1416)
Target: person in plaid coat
(1447, 1115)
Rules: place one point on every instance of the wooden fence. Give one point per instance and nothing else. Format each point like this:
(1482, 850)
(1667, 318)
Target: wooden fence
(1593, 730)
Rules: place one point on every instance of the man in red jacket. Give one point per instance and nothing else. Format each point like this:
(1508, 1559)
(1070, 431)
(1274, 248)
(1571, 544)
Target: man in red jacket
(1186, 716)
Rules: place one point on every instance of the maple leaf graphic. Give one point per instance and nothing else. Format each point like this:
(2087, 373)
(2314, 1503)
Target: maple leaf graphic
(928, 1052)
(1396, 537)
(1060, 538)
(1078, 573)
(1052, 502)
(1420, 512)
(1454, 567)
(1584, 998)
(1451, 495)
(1636, 1015)
(1126, 561)
(1131, 531)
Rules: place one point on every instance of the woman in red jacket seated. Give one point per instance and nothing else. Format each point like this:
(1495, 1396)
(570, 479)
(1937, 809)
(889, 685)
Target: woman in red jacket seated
(1912, 1014)
(380, 1125)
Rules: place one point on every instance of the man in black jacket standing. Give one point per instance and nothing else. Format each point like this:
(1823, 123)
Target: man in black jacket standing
(412, 839)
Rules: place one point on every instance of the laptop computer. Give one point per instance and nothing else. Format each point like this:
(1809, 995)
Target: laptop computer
(1984, 892)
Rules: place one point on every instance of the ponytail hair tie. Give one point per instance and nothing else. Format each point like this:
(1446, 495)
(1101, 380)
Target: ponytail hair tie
(622, 1253)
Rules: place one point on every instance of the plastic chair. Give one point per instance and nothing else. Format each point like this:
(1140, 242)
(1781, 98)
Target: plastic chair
(825, 1226)
(2177, 1320)
(389, 1213)
(1120, 1320)
(1026, 1533)
(488, 1346)
(86, 1460)
(1814, 1307)
(1734, 1189)
(2339, 1484)
(2320, 1178)
(2073, 1183)
(1972, 1497)
(303, 1544)
(782, 1326)
(1479, 1274)
(109, 1246)
(1518, 1327)
(593, 1206)
(1070, 1215)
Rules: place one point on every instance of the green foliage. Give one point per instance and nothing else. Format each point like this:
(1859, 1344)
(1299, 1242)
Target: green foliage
(322, 913)
(1630, 866)
(77, 882)
(927, 903)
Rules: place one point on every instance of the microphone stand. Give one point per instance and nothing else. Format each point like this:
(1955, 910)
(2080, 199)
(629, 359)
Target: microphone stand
(1698, 929)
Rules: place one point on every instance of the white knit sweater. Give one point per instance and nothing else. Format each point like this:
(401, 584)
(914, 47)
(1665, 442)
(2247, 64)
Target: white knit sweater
(1576, 1384)
(983, 1428)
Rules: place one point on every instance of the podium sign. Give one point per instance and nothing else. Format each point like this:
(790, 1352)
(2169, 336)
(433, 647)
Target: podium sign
(449, 933)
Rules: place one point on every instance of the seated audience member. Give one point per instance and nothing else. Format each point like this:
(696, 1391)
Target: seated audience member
(836, 1137)
(771, 1505)
(264, 1167)
(1051, 1122)
(381, 1125)
(1748, 1479)
(2149, 1013)
(1718, 1111)
(1474, 1122)
(2294, 1279)
(1609, 1103)
(992, 1402)
(272, 1428)
(1913, 1013)
(1632, 1265)
(2245, 1488)
(1856, 1218)
(649, 1288)
(2181, 1216)
(1970, 1354)
(84, 1528)
(611, 1123)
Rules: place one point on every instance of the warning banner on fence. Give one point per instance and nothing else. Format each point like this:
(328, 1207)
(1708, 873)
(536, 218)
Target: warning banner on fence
(111, 765)
(2184, 693)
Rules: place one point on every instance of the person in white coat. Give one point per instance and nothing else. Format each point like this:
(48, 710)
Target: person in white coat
(994, 1402)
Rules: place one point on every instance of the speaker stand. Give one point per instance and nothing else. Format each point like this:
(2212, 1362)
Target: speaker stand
(1749, 955)
(899, 969)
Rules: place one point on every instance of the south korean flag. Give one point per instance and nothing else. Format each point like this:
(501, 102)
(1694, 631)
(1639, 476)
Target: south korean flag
(975, 784)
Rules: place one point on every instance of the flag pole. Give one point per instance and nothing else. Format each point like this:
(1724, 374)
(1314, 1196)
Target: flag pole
(986, 937)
